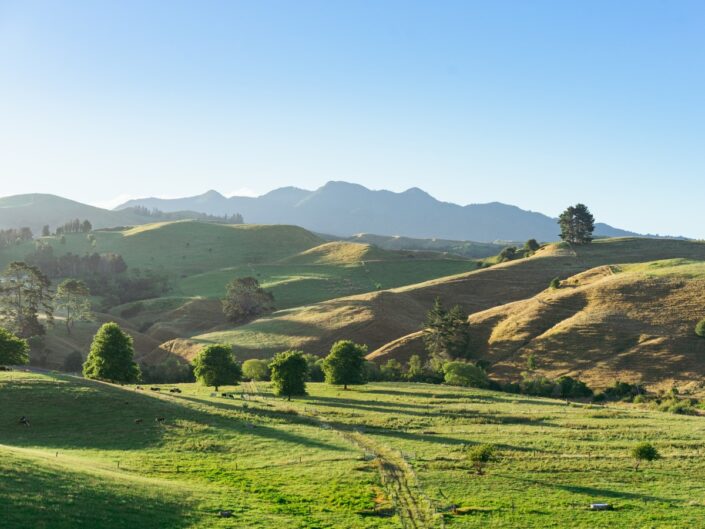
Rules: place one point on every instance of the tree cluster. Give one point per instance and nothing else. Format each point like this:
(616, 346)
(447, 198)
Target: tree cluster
(75, 226)
(72, 265)
(24, 297)
(155, 213)
(15, 236)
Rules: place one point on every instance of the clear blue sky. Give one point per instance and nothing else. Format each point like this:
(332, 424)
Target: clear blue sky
(533, 103)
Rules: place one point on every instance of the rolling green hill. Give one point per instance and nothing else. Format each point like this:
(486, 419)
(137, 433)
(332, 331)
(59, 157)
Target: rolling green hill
(377, 456)
(381, 318)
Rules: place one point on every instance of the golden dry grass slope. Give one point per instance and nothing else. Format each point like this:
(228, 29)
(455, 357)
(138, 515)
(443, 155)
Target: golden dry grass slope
(384, 319)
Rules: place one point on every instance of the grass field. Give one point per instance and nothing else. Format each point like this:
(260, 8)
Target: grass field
(335, 459)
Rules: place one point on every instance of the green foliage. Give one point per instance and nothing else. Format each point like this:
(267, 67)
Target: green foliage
(555, 283)
(508, 254)
(465, 374)
(170, 371)
(415, 371)
(531, 362)
(345, 364)
(622, 391)
(531, 246)
(24, 296)
(73, 363)
(391, 370)
(245, 299)
(255, 369)
(215, 366)
(644, 451)
(480, 455)
(315, 368)
(13, 350)
(569, 387)
(373, 373)
(111, 356)
(577, 224)
(447, 333)
(73, 296)
(289, 371)
(700, 328)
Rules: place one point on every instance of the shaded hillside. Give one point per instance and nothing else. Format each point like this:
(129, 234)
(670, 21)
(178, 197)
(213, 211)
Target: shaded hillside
(345, 209)
(632, 322)
(476, 250)
(381, 317)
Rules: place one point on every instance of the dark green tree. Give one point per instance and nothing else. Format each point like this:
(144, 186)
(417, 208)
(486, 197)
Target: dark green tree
(73, 363)
(447, 333)
(245, 299)
(577, 224)
(508, 254)
(345, 365)
(13, 350)
(111, 356)
(644, 452)
(288, 374)
(73, 296)
(315, 368)
(531, 246)
(215, 366)
(24, 296)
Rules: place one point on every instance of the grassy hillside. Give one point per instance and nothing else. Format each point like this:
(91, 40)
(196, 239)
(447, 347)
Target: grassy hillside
(200, 258)
(475, 250)
(36, 210)
(382, 456)
(378, 318)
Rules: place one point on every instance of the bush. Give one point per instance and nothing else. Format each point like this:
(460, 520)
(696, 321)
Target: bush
(315, 368)
(677, 406)
(572, 388)
(372, 372)
(254, 369)
(392, 370)
(537, 386)
(623, 391)
(480, 455)
(700, 328)
(464, 374)
(73, 363)
(555, 283)
(170, 371)
(644, 452)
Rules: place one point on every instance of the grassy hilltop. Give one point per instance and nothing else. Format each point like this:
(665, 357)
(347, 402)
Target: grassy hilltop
(382, 455)
(200, 258)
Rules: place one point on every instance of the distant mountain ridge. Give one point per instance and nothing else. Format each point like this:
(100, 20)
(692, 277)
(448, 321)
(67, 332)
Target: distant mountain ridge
(345, 209)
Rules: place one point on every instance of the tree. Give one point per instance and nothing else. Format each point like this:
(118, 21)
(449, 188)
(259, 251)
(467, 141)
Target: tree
(46, 231)
(13, 350)
(531, 246)
(480, 455)
(315, 368)
(345, 364)
(288, 373)
(24, 296)
(465, 374)
(644, 452)
(555, 283)
(531, 362)
(700, 328)
(86, 226)
(245, 299)
(447, 333)
(577, 224)
(508, 254)
(73, 363)
(391, 370)
(111, 356)
(73, 296)
(415, 371)
(255, 369)
(215, 366)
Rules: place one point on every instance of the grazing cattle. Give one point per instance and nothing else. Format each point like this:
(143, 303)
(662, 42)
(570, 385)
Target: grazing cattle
(174, 390)
(225, 514)
(138, 421)
(159, 419)
(155, 389)
(24, 420)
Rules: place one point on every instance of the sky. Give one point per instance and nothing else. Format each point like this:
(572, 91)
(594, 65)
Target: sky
(535, 103)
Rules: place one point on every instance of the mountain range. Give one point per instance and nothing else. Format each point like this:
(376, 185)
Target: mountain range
(345, 209)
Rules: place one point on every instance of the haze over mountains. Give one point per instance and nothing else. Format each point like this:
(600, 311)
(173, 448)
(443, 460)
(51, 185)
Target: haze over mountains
(345, 209)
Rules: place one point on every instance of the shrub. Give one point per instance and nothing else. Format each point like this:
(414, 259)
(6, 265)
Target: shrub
(13, 350)
(538, 386)
(372, 372)
(555, 283)
(392, 370)
(170, 371)
(700, 328)
(464, 374)
(677, 406)
(73, 363)
(572, 388)
(644, 452)
(254, 369)
(315, 368)
(623, 391)
(480, 455)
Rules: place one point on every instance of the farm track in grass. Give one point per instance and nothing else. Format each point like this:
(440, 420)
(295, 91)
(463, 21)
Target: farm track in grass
(415, 510)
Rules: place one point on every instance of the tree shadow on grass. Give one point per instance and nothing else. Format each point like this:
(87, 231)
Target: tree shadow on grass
(510, 398)
(594, 492)
(73, 413)
(55, 498)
